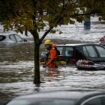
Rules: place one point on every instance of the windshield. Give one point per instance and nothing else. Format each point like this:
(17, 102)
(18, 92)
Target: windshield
(41, 102)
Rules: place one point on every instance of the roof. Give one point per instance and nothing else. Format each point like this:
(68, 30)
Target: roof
(7, 33)
(74, 95)
(77, 44)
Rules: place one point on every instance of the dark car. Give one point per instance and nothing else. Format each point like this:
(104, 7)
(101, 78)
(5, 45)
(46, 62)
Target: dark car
(61, 98)
(71, 53)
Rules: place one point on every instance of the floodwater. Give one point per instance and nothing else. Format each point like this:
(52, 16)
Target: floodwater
(17, 73)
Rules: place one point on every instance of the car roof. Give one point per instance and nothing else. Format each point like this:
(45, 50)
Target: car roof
(74, 95)
(7, 33)
(77, 44)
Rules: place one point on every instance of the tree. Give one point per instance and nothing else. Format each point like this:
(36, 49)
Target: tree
(34, 15)
(96, 7)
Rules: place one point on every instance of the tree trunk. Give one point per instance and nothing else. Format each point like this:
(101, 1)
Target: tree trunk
(36, 61)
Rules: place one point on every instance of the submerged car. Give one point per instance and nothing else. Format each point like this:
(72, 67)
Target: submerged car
(8, 39)
(61, 98)
(71, 53)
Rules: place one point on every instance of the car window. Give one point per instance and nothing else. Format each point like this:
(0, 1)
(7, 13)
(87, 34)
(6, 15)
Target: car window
(18, 38)
(89, 51)
(94, 101)
(12, 37)
(69, 51)
(101, 51)
(85, 52)
(2, 37)
(103, 100)
(60, 48)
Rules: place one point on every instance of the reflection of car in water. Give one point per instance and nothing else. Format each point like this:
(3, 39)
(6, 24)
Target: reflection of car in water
(71, 53)
(61, 98)
(9, 39)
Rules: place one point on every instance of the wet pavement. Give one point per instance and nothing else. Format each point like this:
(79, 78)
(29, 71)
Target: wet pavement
(17, 73)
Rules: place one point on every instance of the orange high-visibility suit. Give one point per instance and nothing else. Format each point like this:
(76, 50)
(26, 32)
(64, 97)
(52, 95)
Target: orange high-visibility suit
(52, 55)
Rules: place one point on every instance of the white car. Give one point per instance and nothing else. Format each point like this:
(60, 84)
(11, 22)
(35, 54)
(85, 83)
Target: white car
(9, 39)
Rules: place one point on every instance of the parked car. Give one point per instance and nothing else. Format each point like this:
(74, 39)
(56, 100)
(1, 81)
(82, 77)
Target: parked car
(71, 53)
(9, 39)
(61, 98)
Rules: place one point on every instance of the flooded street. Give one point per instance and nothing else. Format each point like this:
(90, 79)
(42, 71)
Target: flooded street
(17, 72)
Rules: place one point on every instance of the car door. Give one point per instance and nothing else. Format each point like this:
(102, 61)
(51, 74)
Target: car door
(69, 54)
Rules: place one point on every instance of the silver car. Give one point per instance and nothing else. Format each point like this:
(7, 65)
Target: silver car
(61, 98)
(9, 39)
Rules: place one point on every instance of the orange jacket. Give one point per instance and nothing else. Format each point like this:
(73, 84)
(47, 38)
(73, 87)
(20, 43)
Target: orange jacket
(52, 55)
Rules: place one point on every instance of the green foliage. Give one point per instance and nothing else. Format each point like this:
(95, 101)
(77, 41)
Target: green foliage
(94, 7)
(33, 14)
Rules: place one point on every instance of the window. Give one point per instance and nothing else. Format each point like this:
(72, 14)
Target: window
(85, 51)
(101, 51)
(69, 51)
(90, 51)
(18, 38)
(94, 101)
(103, 100)
(60, 49)
(12, 37)
(97, 100)
(2, 38)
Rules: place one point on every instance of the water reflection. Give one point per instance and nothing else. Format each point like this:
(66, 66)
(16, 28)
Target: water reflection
(51, 74)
